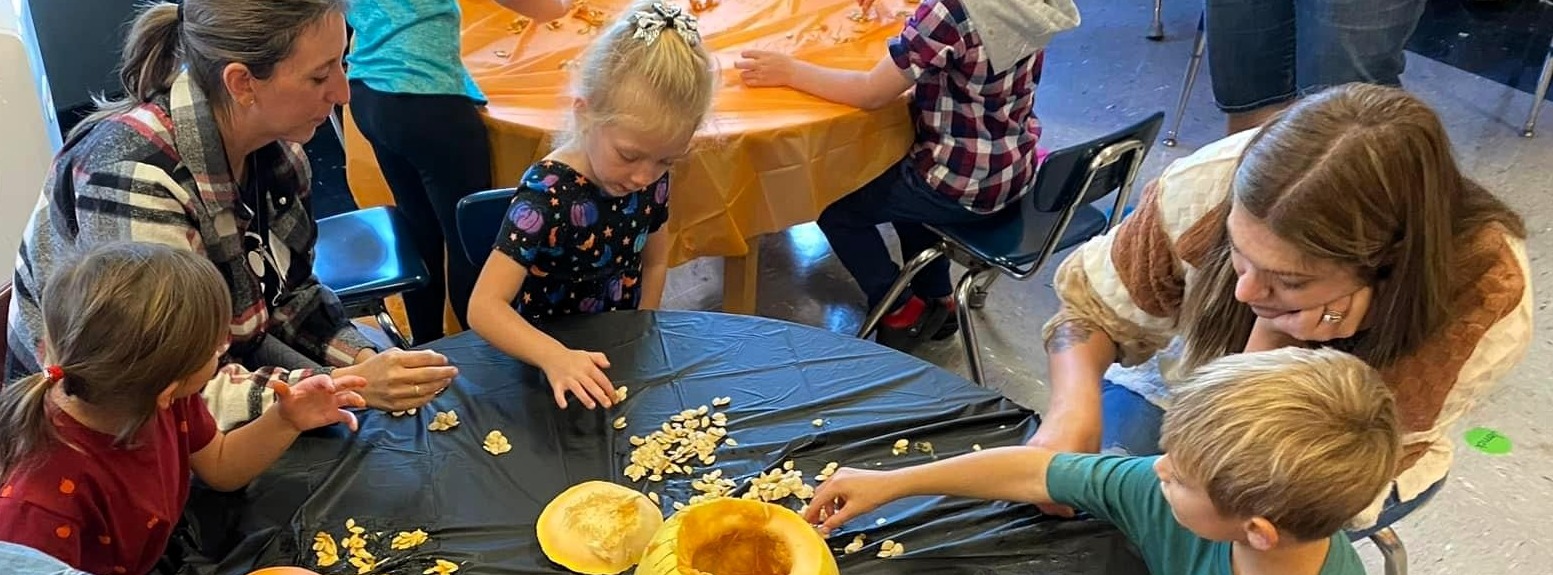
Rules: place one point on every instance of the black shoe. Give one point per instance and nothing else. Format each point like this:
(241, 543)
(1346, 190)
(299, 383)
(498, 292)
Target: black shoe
(951, 326)
(928, 326)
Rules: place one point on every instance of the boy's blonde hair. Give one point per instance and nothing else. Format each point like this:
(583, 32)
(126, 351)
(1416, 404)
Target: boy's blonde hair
(662, 85)
(1304, 438)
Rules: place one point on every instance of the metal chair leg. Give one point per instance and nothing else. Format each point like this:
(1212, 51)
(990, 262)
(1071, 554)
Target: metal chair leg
(979, 295)
(962, 295)
(1542, 94)
(1391, 550)
(1157, 27)
(386, 321)
(911, 270)
(1187, 83)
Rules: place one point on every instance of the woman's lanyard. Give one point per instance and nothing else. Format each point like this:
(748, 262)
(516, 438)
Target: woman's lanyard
(261, 259)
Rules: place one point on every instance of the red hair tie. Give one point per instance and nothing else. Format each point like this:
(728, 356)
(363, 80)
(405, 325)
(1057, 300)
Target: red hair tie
(54, 372)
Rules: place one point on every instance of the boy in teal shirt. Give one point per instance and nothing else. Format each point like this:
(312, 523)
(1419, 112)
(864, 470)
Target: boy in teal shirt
(1268, 455)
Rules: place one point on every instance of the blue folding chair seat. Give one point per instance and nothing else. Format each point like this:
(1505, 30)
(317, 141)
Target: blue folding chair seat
(479, 220)
(1056, 214)
(366, 256)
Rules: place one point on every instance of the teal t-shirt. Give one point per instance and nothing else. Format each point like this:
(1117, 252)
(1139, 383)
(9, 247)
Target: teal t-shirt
(1126, 492)
(409, 47)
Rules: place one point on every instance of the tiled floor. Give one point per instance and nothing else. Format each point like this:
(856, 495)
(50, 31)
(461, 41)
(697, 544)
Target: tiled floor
(1492, 517)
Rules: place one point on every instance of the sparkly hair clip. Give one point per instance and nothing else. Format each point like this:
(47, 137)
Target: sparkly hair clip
(651, 23)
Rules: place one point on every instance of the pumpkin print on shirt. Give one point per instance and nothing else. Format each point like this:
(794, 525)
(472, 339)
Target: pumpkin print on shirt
(582, 248)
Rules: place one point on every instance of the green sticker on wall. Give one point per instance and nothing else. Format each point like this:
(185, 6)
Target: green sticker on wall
(1488, 441)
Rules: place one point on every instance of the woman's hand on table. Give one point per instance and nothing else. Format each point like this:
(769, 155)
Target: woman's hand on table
(762, 69)
(398, 380)
(1337, 319)
(319, 400)
(847, 494)
(580, 373)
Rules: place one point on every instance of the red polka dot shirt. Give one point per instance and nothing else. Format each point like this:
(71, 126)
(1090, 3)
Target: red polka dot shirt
(102, 508)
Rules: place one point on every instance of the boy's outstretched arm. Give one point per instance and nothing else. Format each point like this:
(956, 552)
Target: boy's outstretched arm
(869, 90)
(1005, 474)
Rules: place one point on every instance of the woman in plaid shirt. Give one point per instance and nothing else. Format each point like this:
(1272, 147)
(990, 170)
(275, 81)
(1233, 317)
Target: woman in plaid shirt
(974, 65)
(203, 154)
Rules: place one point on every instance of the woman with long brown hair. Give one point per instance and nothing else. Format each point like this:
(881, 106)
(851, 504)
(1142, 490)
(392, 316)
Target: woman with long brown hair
(1344, 222)
(204, 153)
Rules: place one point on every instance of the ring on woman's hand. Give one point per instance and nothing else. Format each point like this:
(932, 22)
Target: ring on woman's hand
(1330, 316)
(417, 388)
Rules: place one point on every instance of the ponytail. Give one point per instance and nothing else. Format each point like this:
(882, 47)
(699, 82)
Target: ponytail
(25, 422)
(151, 53)
(146, 70)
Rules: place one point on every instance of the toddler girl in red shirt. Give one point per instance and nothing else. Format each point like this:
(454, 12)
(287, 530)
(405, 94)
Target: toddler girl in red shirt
(94, 469)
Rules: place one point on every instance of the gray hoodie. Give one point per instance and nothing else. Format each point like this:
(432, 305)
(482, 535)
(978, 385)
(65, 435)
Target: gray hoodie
(1011, 30)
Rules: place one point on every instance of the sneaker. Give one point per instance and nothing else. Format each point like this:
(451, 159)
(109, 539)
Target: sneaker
(951, 322)
(907, 327)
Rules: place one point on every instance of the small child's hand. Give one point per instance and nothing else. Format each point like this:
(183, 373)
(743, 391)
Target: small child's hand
(581, 374)
(319, 401)
(762, 69)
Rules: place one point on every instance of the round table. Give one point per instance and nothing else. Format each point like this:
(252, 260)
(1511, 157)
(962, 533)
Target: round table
(479, 510)
(768, 158)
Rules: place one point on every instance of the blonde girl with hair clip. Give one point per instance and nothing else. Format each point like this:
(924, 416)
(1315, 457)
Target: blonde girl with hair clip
(582, 234)
(99, 446)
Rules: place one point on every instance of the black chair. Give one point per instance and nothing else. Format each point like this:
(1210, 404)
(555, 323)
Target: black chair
(366, 256)
(1055, 215)
(479, 220)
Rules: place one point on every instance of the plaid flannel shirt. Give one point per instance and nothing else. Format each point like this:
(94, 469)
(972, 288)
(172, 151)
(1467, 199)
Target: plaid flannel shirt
(159, 174)
(976, 126)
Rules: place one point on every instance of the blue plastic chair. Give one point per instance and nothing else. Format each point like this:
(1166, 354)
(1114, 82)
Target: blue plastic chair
(366, 256)
(479, 220)
(1055, 215)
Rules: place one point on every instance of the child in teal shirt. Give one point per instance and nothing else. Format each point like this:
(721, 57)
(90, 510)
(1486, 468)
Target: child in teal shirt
(1268, 455)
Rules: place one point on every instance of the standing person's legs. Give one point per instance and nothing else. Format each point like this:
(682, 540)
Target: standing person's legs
(433, 151)
(1251, 58)
(1342, 41)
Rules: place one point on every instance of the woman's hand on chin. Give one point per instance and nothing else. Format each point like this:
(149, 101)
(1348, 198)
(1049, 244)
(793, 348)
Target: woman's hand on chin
(1338, 319)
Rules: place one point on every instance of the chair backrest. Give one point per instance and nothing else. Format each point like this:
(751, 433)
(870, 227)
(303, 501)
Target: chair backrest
(479, 220)
(1082, 174)
(5, 326)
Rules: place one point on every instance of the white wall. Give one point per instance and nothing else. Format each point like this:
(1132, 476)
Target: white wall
(29, 132)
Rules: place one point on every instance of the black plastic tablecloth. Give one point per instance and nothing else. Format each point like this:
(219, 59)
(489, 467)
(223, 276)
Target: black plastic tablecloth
(479, 510)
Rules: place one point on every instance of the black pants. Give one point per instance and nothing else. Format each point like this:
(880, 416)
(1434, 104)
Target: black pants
(433, 151)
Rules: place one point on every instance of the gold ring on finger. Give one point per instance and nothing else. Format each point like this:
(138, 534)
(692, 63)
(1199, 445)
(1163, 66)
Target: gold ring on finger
(1330, 316)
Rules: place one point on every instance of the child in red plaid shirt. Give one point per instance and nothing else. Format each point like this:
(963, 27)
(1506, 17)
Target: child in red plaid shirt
(974, 65)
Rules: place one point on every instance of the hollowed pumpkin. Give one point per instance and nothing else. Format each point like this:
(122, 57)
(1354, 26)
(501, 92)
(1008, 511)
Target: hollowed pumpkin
(737, 537)
(597, 528)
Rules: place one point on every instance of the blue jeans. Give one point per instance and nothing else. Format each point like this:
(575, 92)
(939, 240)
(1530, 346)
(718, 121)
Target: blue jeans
(1130, 425)
(902, 198)
(1264, 52)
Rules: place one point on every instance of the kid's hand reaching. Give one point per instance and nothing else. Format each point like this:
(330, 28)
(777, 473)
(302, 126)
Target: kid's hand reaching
(847, 494)
(762, 69)
(581, 374)
(319, 401)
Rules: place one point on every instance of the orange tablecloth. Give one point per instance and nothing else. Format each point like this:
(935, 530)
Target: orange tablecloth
(768, 159)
